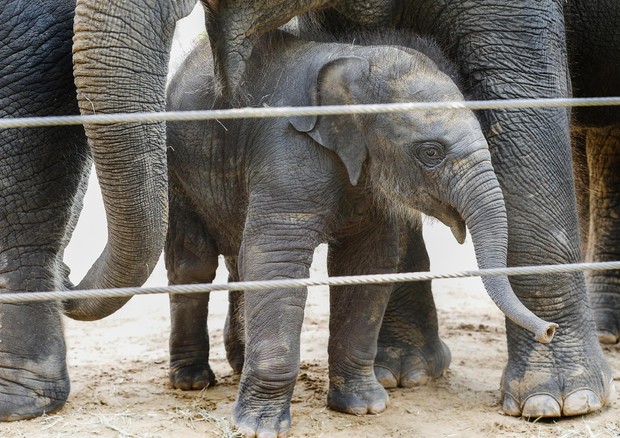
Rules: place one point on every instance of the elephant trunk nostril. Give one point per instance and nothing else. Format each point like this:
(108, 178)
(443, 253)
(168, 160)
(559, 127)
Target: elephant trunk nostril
(546, 335)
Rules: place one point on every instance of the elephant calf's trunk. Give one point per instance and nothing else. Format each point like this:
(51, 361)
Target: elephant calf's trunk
(503, 296)
(488, 225)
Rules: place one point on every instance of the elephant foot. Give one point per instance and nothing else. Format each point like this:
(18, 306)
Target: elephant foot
(34, 379)
(191, 376)
(357, 397)
(565, 378)
(24, 395)
(607, 326)
(606, 310)
(411, 366)
(235, 360)
(270, 420)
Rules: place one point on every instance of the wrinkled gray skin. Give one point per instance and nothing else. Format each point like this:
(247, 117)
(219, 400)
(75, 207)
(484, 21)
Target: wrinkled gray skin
(594, 49)
(271, 190)
(503, 50)
(120, 62)
(43, 175)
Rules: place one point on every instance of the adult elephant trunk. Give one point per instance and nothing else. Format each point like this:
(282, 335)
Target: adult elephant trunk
(121, 52)
(484, 212)
(232, 25)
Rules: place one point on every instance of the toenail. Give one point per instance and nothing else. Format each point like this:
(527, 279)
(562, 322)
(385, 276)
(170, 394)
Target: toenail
(581, 401)
(541, 405)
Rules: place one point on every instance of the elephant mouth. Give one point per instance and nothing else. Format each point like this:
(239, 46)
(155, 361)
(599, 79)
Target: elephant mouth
(424, 202)
(447, 215)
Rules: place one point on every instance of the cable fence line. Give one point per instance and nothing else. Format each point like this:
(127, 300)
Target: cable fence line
(251, 112)
(17, 297)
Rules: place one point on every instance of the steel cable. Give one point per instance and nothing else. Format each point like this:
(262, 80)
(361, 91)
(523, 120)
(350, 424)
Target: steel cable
(237, 113)
(304, 282)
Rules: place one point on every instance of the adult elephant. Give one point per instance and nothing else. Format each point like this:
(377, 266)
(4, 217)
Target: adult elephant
(503, 51)
(594, 54)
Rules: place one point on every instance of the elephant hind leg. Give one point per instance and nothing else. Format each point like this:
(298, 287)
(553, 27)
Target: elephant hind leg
(356, 312)
(410, 352)
(234, 330)
(191, 258)
(603, 155)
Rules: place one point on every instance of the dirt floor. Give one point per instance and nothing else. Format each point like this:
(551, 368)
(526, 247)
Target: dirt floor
(119, 369)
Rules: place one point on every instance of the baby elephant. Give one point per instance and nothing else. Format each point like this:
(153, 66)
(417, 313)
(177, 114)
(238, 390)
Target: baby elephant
(266, 192)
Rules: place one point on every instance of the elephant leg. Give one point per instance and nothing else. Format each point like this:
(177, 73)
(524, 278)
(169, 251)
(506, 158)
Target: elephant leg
(410, 352)
(569, 376)
(234, 331)
(191, 257)
(519, 51)
(40, 190)
(42, 180)
(603, 154)
(274, 247)
(189, 342)
(356, 312)
(582, 185)
(525, 57)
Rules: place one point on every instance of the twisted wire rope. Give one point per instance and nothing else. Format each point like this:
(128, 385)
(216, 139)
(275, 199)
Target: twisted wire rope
(236, 113)
(304, 282)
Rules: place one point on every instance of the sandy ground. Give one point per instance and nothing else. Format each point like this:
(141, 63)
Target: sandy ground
(119, 369)
(119, 366)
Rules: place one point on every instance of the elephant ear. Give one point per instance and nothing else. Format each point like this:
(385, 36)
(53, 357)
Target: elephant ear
(341, 81)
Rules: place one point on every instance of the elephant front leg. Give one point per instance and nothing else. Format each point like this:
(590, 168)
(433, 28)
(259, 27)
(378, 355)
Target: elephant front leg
(36, 215)
(410, 352)
(356, 312)
(570, 375)
(273, 320)
(603, 155)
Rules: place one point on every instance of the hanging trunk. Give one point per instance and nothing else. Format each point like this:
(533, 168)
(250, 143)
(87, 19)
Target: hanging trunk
(121, 52)
(232, 25)
(486, 220)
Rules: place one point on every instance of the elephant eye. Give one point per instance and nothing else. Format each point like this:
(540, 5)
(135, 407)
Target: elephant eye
(430, 154)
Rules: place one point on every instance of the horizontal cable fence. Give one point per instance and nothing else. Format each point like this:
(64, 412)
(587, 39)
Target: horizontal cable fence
(236, 113)
(304, 282)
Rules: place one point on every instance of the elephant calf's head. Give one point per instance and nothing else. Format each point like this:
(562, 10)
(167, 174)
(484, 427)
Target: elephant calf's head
(416, 160)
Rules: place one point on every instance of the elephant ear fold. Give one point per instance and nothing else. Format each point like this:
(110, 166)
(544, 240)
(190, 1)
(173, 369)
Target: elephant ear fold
(341, 81)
